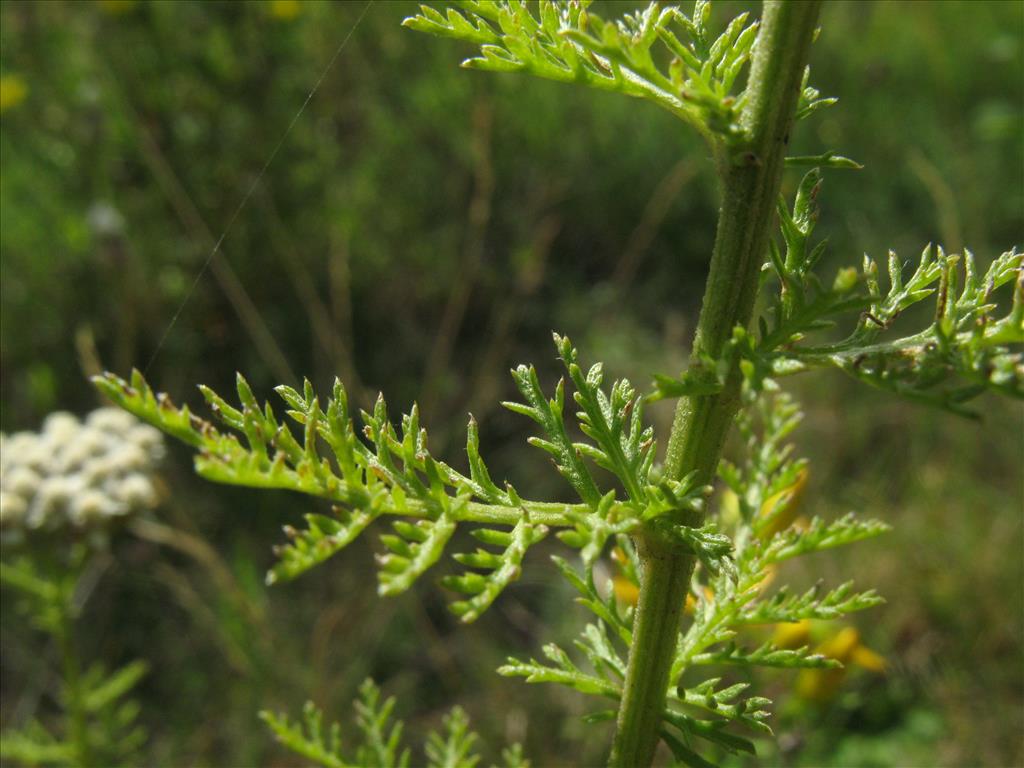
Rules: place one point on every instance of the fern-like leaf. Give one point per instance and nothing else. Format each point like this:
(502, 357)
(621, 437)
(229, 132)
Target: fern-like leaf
(502, 568)
(382, 738)
(969, 347)
(390, 473)
(454, 749)
(819, 535)
(307, 737)
(571, 43)
(384, 470)
(380, 743)
(811, 604)
(766, 655)
(966, 349)
(323, 537)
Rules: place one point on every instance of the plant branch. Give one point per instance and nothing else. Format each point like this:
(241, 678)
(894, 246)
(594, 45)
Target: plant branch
(71, 669)
(750, 190)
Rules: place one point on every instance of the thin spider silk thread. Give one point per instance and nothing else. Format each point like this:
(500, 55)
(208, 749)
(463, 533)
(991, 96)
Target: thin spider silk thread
(252, 188)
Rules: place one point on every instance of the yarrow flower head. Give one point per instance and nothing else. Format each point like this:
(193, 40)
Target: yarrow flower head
(75, 474)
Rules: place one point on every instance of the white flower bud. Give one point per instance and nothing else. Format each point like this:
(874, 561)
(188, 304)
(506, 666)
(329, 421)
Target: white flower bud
(127, 458)
(54, 498)
(20, 481)
(33, 453)
(95, 471)
(97, 441)
(73, 455)
(111, 421)
(61, 426)
(93, 506)
(76, 473)
(51, 500)
(137, 492)
(12, 510)
(148, 439)
(17, 443)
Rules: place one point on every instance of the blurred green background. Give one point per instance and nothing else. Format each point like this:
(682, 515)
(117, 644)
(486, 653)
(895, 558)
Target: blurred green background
(420, 230)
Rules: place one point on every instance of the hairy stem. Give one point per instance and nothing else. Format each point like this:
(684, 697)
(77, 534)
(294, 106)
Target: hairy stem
(751, 181)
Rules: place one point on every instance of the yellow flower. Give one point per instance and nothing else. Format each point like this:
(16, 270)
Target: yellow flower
(628, 593)
(768, 578)
(844, 646)
(625, 590)
(12, 91)
(791, 635)
(690, 606)
(285, 9)
(691, 603)
(781, 509)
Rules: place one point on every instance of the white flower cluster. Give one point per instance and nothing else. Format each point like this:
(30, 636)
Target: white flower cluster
(77, 474)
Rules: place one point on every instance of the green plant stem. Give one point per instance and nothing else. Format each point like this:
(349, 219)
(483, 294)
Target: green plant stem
(554, 514)
(542, 512)
(751, 180)
(72, 672)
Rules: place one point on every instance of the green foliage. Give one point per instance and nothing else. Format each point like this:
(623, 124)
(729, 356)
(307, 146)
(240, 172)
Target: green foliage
(570, 43)
(306, 738)
(380, 747)
(69, 145)
(98, 719)
(961, 353)
(725, 605)
(454, 749)
(657, 53)
(381, 737)
(392, 473)
(34, 745)
(384, 470)
(504, 567)
(607, 666)
(967, 348)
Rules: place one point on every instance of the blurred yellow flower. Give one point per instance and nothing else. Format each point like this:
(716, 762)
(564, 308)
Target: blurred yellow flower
(844, 646)
(781, 510)
(690, 606)
(792, 634)
(768, 578)
(627, 593)
(285, 9)
(12, 91)
(625, 590)
(117, 6)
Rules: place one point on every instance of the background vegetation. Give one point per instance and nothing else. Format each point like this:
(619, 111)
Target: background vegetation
(420, 230)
